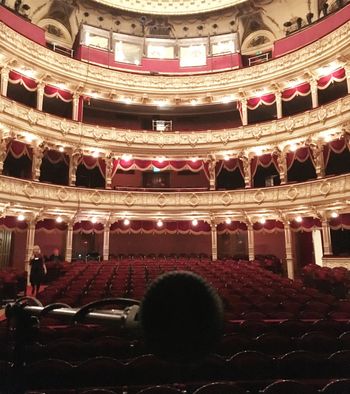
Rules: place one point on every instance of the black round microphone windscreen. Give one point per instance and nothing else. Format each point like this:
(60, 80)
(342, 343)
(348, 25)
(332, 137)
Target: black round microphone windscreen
(181, 317)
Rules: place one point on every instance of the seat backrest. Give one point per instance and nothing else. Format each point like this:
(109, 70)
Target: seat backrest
(338, 386)
(220, 388)
(288, 387)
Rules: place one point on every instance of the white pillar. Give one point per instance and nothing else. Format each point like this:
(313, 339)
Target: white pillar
(4, 80)
(29, 245)
(73, 165)
(317, 245)
(347, 73)
(106, 232)
(75, 108)
(244, 112)
(69, 242)
(289, 250)
(326, 237)
(36, 162)
(214, 241)
(247, 171)
(40, 96)
(251, 248)
(109, 169)
(314, 93)
(279, 105)
(212, 174)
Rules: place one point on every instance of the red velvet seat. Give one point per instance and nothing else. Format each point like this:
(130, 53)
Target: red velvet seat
(250, 365)
(220, 388)
(288, 387)
(160, 390)
(338, 386)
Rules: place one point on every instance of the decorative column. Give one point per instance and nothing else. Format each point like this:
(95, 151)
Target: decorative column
(247, 170)
(317, 154)
(109, 169)
(244, 104)
(214, 241)
(29, 245)
(347, 74)
(282, 165)
(278, 96)
(326, 237)
(73, 165)
(251, 252)
(69, 242)
(75, 108)
(289, 250)
(314, 93)
(3, 153)
(4, 80)
(37, 159)
(106, 232)
(40, 96)
(212, 173)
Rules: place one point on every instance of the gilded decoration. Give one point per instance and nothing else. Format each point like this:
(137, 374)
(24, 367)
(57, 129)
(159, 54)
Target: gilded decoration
(170, 7)
(65, 69)
(48, 128)
(272, 201)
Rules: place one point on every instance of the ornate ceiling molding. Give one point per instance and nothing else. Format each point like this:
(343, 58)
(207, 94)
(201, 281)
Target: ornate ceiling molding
(24, 52)
(17, 120)
(50, 200)
(170, 7)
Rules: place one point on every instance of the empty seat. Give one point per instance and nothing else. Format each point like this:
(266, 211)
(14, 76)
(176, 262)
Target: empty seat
(160, 390)
(338, 386)
(220, 388)
(251, 365)
(288, 387)
(300, 364)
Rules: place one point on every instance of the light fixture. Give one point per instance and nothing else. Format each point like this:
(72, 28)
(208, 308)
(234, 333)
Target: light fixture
(226, 157)
(293, 147)
(93, 220)
(59, 219)
(95, 154)
(262, 220)
(127, 157)
(226, 99)
(299, 219)
(334, 215)
(161, 103)
(29, 138)
(21, 217)
(127, 100)
(194, 222)
(159, 223)
(61, 86)
(126, 222)
(194, 102)
(160, 159)
(61, 149)
(228, 221)
(194, 159)
(258, 151)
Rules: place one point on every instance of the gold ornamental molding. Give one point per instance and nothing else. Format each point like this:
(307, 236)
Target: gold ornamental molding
(51, 199)
(16, 120)
(170, 7)
(14, 47)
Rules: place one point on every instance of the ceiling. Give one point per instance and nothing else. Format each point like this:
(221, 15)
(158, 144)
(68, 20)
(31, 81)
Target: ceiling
(170, 7)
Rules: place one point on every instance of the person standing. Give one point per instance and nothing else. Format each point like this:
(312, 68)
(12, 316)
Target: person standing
(37, 271)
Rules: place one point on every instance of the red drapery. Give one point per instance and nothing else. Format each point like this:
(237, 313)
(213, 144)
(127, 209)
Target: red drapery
(231, 228)
(307, 224)
(174, 165)
(229, 165)
(19, 149)
(301, 90)
(337, 76)
(336, 146)
(87, 227)
(270, 226)
(301, 155)
(49, 226)
(150, 227)
(54, 157)
(267, 99)
(54, 92)
(28, 83)
(341, 222)
(91, 162)
(264, 161)
(11, 223)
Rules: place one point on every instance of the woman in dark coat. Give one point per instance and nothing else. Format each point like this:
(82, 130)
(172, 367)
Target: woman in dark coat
(37, 271)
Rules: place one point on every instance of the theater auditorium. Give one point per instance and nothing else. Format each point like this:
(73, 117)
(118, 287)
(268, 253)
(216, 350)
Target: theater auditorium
(174, 197)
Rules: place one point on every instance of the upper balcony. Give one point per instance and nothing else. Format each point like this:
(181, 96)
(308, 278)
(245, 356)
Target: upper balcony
(307, 50)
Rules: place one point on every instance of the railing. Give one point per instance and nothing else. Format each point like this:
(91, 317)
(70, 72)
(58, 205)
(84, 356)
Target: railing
(263, 57)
